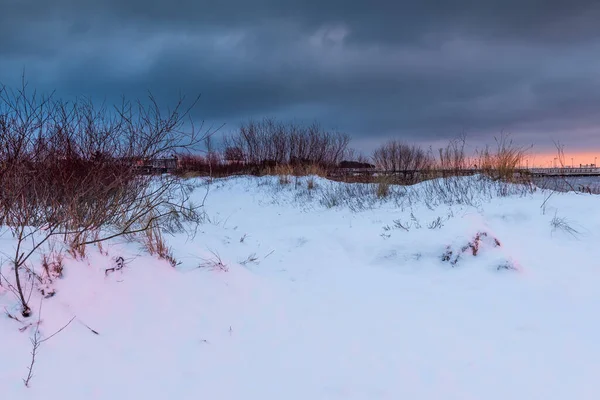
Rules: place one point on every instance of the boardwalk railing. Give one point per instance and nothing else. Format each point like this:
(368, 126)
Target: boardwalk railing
(165, 165)
(156, 165)
(583, 171)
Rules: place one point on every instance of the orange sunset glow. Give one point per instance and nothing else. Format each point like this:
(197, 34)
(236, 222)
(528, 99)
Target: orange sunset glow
(545, 160)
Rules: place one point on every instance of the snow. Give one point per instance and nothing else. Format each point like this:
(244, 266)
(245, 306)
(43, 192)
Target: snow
(339, 304)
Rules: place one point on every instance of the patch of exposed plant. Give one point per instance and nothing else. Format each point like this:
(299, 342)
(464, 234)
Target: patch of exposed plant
(52, 269)
(562, 224)
(119, 264)
(213, 263)
(472, 248)
(251, 259)
(507, 265)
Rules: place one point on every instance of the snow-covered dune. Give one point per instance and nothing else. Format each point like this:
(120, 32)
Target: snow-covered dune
(370, 299)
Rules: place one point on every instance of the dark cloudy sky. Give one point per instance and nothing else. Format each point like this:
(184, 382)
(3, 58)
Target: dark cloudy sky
(421, 70)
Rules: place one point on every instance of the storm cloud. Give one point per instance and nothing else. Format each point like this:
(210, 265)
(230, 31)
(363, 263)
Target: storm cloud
(422, 70)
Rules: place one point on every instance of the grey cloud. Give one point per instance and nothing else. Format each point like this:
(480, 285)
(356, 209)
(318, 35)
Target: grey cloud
(425, 70)
(378, 19)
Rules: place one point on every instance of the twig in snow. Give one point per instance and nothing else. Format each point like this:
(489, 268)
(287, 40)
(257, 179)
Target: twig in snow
(58, 331)
(272, 251)
(120, 263)
(10, 316)
(82, 323)
(252, 259)
(436, 224)
(398, 224)
(36, 342)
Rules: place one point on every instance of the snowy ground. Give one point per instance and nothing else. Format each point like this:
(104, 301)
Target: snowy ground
(336, 305)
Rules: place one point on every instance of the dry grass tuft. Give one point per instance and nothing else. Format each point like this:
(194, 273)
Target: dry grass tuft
(155, 244)
(382, 186)
(215, 263)
(284, 172)
(562, 224)
(315, 170)
(505, 162)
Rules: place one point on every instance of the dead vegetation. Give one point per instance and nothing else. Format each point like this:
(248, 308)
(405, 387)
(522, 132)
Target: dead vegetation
(382, 187)
(472, 247)
(503, 163)
(119, 264)
(214, 262)
(69, 172)
(251, 259)
(290, 151)
(155, 245)
(270, 143)
(563, 225)
(37, 340)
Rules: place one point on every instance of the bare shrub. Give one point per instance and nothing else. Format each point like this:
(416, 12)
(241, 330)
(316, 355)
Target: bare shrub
(452, 158)
(71, 170)
(400, 158)
(234, 154)
(195, 164)
(271, 142)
